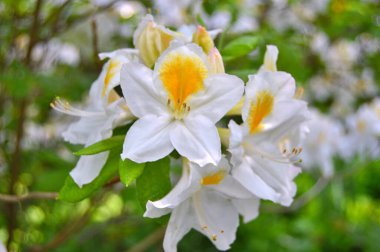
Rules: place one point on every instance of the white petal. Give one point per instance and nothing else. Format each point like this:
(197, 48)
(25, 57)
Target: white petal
(270, 59)
(180, 223)
(88, 168)
(250, 180)
(197, 139)
(235, 143)
(148, 139)
(217, 217)
(287, 116)
(186, 186)
(249, 208)
(232, 188)
(280, 84)
(279, 177)
(222, 92)
(139, 92)
(88, 130)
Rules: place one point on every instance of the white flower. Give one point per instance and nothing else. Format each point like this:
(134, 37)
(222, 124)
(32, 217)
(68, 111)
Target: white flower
(325, 140)
(270, 113)
(364, 129)
(178, 104)
(105, 111)
(207, 199)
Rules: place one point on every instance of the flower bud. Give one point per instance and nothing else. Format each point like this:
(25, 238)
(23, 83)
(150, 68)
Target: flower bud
(203, 39)
(152, 39)
(216, 61)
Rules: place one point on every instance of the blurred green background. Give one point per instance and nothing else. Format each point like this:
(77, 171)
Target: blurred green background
(49, 48)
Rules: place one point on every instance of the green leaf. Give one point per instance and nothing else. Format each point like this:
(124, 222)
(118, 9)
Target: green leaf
(240, 47)
(129, 171)
(101, 146)
(71, 192)
(154, 182)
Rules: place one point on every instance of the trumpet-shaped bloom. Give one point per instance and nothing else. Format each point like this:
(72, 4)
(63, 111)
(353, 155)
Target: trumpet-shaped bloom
(207, 199)
(105, 111)
(178, 104)
(270, 113)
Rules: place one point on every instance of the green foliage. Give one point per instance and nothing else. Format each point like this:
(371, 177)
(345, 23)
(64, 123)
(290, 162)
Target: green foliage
(129, 171)
(101, 146)
(154, 182)
(71, 192)
(240, 46)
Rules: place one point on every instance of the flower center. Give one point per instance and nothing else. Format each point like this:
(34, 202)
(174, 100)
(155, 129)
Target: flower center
(260, 108)
(213, 179)
(182, 76)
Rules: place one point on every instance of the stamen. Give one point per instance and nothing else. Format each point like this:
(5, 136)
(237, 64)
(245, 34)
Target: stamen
(64, 106)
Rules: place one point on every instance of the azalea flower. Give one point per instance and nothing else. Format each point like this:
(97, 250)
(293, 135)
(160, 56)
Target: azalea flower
(325, 140)
(105, 111)
(364, 129)
(178, 104)
(207, 199)
(270, 113)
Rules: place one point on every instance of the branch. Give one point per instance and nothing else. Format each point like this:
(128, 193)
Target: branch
(148, 241)
(95, 44)
(29, 196)
(33, 36)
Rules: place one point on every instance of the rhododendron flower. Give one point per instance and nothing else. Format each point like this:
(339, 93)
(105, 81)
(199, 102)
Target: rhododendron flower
(178, 104)
(270, 112)
(105, 111)
(207, 199)
(325, 140)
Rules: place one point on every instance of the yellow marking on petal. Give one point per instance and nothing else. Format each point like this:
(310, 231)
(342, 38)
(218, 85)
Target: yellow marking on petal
(213, 179)
(361, 126)
(260, 108)
(112, 69)
(182, 76)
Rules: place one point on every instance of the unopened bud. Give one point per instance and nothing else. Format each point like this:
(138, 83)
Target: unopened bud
(152, 39)
(216, 61)
(203, 39)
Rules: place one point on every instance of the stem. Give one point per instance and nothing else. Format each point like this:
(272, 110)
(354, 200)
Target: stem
(29, 196)
(95, 45)
(148, 241)
(15, 171)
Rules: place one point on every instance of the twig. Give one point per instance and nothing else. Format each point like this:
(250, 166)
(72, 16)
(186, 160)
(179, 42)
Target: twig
(29, 196)
(95, 45)
(72, 228)
(148, 241)
(67, 25)
(33, 36)
(15, 171)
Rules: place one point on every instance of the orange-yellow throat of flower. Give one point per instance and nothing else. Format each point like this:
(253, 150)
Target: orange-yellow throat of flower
(182, 76)
(213, 179)
(260, 108)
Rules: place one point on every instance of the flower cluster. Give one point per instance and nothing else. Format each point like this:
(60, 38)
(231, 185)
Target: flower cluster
(177, 98)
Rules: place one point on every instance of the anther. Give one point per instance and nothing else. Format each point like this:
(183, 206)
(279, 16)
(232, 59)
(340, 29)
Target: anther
(213, 237)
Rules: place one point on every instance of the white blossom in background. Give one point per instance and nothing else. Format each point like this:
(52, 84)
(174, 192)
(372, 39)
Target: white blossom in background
(2, 248)
(207, 199)
(105, 111)
(364, 129)
(47, 55)
(325, 140)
